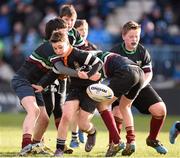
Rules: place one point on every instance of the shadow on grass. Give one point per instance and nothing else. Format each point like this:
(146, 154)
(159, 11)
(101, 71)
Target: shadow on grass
(16, 154)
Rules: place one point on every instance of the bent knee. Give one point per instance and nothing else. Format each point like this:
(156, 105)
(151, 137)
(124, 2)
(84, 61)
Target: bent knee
(158, 109)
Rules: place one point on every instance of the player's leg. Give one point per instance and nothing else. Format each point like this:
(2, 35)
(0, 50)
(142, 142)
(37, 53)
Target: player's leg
(149, 102)
(27, 98)
(40, 128)
(174, 132)
(87, 127)
(87, 108)
(33, 112)
(117, 115)
(158, 112)
(74, 132)
(59, 99)
(115, 143)
(41, 124)
(136, 80)
(69, 109)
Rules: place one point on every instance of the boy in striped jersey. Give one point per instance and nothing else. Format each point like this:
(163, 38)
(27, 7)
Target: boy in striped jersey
(77, 98)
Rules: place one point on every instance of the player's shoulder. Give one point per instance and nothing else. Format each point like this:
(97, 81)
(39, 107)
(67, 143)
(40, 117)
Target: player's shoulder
(45, 48)
(116, 47)
(141, 47)
(44, 44)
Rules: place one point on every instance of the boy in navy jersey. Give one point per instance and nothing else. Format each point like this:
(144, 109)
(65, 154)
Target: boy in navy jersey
(148, 101)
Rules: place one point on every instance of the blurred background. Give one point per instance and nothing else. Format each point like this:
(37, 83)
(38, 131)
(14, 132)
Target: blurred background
(22, 25)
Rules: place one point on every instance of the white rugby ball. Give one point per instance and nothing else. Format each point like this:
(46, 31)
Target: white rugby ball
(99, 92)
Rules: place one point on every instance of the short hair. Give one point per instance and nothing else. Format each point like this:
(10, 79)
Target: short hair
(130, 25)
(67, 10)
(58, 36)
(52, 25)
(80, 22)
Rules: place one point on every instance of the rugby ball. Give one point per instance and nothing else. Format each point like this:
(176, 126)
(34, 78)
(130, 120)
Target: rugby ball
(99, 92)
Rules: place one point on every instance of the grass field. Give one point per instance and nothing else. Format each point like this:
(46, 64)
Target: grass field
(10, 137)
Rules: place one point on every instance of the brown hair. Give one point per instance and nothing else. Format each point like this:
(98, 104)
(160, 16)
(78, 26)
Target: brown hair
(67, 10)
(58, 36)
(80, 22)
(52, 25)
(130, 25)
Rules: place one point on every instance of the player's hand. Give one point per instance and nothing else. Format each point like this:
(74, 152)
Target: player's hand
(37, 88)
(82, 75)
(95, 77)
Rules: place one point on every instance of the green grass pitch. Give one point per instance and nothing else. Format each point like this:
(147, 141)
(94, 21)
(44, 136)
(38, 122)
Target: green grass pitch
(11, 128)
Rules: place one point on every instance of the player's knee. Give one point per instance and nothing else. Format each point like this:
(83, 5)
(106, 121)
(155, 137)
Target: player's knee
(158, 109)
(66, 117)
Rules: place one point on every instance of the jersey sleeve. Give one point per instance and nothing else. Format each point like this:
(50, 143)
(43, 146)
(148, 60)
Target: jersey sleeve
(56, 71)
(88, 59)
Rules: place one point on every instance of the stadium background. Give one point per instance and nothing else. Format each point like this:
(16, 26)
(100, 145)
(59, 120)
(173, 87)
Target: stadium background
(22, 29)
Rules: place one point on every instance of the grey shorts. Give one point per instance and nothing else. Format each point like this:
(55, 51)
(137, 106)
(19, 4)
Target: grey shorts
(23, 88)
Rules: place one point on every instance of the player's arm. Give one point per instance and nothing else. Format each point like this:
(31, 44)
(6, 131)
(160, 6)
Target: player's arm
(58, 69)
(147, 68)
(53, 74)
(91, 60)
(147, 78)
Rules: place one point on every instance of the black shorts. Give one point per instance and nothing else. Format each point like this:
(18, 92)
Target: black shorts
(147, 97)
(86, 103)
(23, 88)
(127, 81)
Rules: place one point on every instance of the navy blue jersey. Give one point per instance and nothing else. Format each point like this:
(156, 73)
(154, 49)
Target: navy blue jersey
(113, 62)
(140, 56)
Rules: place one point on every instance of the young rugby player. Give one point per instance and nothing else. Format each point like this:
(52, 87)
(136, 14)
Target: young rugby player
(148, 101)
(77, 98)
(81, 26)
